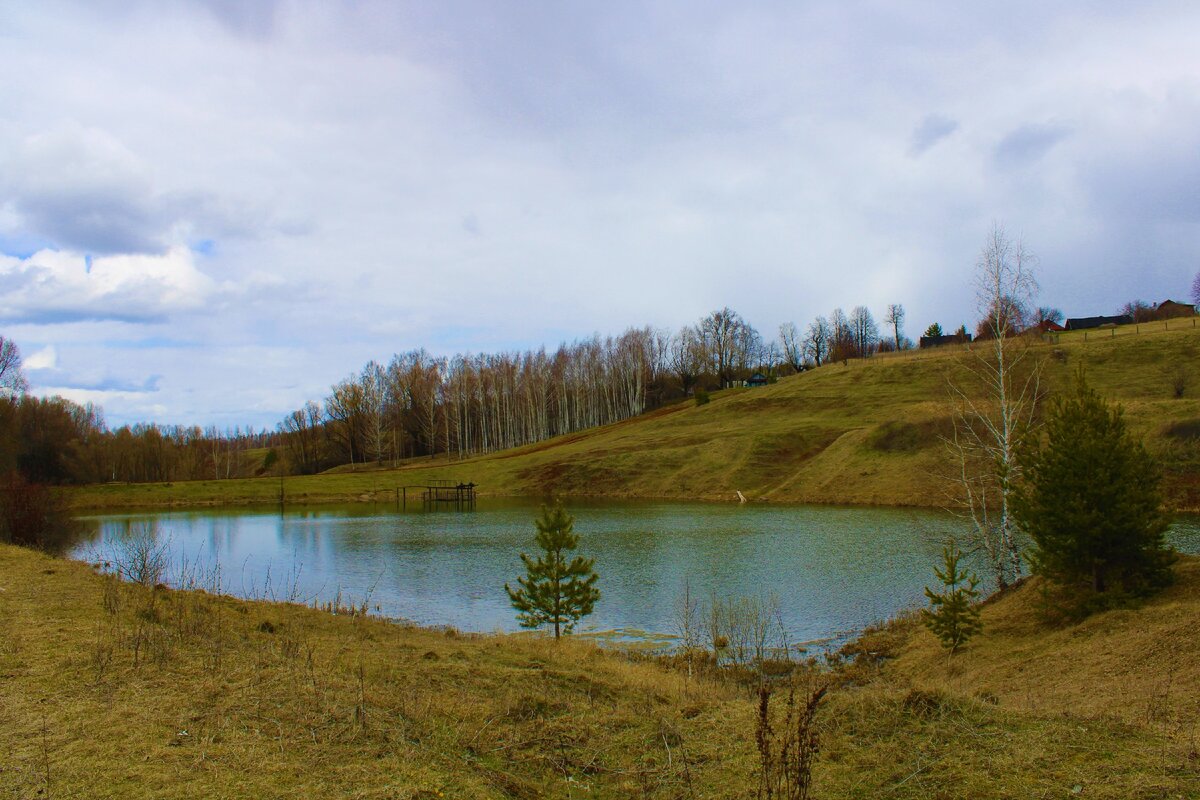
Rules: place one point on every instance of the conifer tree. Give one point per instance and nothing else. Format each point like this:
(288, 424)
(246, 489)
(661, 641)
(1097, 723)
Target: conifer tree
(554, 591)
(952, 615)
(1091, 503)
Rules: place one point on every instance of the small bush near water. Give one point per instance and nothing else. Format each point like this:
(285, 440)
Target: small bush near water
(32, 515)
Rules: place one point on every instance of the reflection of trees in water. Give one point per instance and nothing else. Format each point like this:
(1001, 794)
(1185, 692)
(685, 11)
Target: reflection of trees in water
(834, 569)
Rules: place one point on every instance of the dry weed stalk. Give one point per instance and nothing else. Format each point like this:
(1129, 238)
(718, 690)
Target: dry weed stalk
(786, 755)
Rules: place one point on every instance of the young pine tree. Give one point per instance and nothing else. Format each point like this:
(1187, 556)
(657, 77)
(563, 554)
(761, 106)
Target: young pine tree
(554, 591)
(1090, 501)
(952, 615)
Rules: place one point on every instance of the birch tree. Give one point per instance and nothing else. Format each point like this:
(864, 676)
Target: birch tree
(995, 397)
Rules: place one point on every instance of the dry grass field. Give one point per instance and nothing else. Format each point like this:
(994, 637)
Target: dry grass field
(111, 689)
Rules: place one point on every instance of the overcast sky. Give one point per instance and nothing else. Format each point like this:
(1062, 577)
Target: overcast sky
(210, 212)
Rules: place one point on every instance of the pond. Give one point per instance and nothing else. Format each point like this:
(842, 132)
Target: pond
(833, 569)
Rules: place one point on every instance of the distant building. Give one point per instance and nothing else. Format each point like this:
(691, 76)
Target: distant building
(1047, 326)
(757, 379)
(938, 341)
(1086, 323)
(1170, 309)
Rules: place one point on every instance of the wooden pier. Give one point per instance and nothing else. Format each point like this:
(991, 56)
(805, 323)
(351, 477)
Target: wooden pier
(442, 494)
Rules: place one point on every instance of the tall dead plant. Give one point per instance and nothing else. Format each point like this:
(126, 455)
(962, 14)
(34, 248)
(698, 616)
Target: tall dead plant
(788, 751)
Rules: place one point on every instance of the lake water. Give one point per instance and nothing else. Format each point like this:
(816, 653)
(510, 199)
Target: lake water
(833, 569)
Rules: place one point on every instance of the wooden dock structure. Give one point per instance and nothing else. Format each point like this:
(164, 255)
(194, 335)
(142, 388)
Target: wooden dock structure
(442, 494)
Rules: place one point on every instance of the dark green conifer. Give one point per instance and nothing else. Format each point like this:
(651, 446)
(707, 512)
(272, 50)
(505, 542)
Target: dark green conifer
(1090, 501)
(554, 591)
(952, 615)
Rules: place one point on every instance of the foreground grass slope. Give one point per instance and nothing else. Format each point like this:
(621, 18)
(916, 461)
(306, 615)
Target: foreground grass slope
(867, 432)
(115, 690)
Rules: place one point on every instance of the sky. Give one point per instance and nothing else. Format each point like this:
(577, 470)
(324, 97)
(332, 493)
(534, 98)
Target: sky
(212, 211)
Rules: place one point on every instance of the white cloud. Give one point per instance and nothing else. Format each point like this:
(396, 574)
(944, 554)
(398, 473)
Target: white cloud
(46, 358)
(54, 287)
(320, 184)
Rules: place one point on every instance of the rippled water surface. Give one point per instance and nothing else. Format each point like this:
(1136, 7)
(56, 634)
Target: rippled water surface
(833, 569)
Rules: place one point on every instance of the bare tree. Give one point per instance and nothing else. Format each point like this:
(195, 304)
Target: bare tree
(720, 333)
(345, 410)
(816, 341)
(303, 428)
(685, 358)
(1047, 314)
(374, 410)
(793, 345)
(894, 318)
(749, 350)
(864, 333)
(995, 402)
(841, 339)
(12, 378)
(686, 620)
(1196, 289)
(1138, 311)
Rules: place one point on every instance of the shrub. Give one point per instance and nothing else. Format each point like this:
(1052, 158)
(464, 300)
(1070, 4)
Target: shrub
(702, 397)
(1184, 430)
(1180, 378)
(33, 516)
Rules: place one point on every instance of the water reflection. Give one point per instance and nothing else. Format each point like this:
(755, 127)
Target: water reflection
(833, 569)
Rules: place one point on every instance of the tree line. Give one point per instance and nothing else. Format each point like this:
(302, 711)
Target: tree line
(52, 440)
(419, 404)
(468, 404)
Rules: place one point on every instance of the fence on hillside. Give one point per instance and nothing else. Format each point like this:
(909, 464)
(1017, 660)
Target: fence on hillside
(1090, 335)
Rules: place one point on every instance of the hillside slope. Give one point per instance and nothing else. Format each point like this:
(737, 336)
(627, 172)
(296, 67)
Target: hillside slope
(866, 432)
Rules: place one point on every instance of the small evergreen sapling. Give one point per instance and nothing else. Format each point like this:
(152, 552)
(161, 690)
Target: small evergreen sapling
(952, 615)
(554, 591)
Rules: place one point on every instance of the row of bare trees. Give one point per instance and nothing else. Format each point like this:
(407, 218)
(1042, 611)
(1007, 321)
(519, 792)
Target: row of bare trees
(841, 336)
(419, 404)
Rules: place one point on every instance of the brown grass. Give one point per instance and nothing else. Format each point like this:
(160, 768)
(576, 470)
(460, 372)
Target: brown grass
(1128, 664)
(110, 689)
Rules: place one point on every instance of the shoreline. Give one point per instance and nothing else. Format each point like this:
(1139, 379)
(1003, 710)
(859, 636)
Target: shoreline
(308, 501)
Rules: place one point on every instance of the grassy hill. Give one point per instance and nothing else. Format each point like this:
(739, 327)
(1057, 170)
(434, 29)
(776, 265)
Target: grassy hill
(118, 690)
(865, 432)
